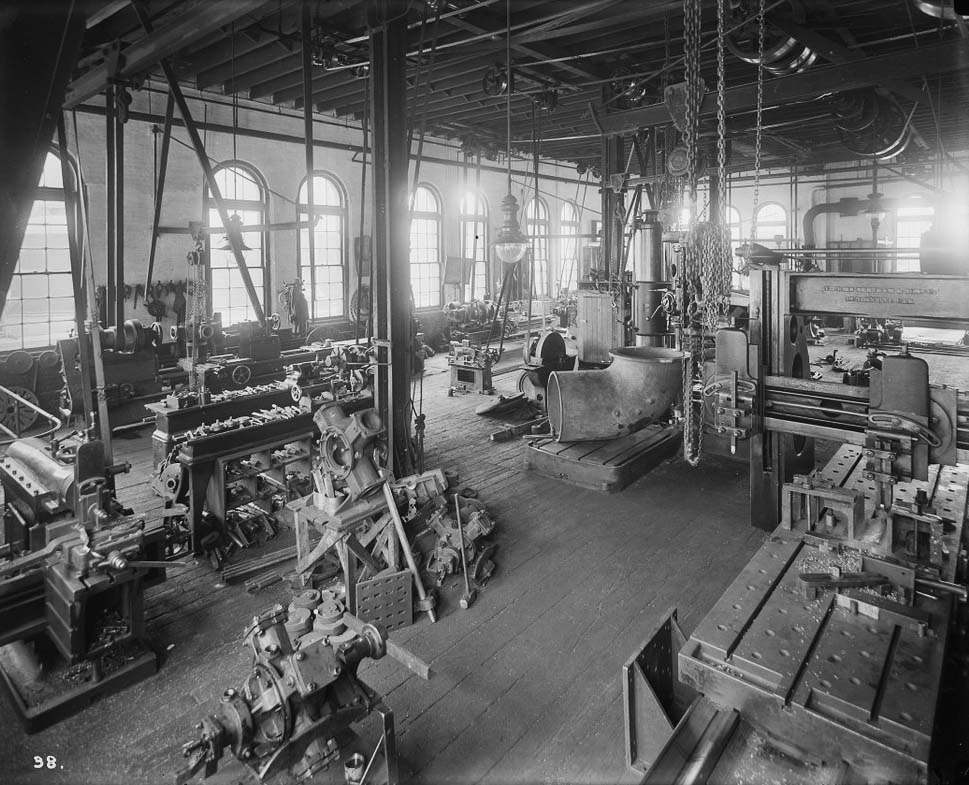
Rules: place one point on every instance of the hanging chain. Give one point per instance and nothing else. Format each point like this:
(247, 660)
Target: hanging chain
(706, 258)
(692, 335)
(691, 36)
(758, 131)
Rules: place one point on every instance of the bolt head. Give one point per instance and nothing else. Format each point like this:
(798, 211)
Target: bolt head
(311, 685)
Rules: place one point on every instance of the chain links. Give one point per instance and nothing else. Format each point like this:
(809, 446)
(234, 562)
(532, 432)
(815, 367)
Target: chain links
(758, 131)
(706, 253)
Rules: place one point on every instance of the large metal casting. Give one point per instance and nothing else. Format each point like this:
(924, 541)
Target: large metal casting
(294, 710)
(638, 388)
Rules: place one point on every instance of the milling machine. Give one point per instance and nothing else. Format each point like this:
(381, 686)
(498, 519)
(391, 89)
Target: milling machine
(76, 564)
(825, 660)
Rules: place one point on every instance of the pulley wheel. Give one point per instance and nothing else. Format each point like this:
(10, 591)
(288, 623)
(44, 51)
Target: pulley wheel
(19, 362)
(15, 416)
(49, 361)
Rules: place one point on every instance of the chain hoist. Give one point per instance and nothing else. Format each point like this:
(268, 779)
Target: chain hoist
(706, 257)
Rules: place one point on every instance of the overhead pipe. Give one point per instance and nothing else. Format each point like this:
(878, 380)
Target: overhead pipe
(846, 207)
(638, 388)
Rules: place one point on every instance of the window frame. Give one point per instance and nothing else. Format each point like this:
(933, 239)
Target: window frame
(569, 226)
(923, 217)
(234, 206)
(539, 245)
(437, 217)
(784, 225)
(343, 213)
(43, 194)
(482, 268)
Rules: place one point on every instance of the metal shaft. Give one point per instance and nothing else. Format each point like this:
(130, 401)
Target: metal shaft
(464, 562)
(405, 547)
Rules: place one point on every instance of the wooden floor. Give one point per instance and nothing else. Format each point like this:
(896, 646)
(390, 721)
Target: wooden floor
(526, 685)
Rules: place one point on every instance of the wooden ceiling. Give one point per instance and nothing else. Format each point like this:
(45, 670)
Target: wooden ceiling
(603, 63)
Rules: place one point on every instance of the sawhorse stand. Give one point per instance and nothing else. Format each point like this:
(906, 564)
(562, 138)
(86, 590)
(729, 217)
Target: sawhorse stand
(338, 523)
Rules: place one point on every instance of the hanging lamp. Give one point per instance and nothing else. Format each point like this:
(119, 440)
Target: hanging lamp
(510, 244)
(235, 230)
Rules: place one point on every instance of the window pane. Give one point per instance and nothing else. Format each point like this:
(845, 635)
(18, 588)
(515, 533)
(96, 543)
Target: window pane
(241, 185)
(322, 276)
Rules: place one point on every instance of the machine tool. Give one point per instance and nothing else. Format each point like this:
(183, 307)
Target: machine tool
(72, 583)
(829, 647)
(292, 714)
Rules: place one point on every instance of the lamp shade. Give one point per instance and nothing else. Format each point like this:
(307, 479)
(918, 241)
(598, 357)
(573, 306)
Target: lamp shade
(511, 244)
(235, 229)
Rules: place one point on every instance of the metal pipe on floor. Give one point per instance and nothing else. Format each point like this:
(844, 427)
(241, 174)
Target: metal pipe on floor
(638, 388)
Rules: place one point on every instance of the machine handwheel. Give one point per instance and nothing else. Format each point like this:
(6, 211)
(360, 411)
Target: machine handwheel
(241, 375)
(15, 416)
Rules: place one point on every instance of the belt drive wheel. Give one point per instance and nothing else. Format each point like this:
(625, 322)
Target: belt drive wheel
(15, 416)
(19, 362)
(241, 374)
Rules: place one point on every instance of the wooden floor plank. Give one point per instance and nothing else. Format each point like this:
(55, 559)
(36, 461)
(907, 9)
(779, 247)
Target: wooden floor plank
(526, 681)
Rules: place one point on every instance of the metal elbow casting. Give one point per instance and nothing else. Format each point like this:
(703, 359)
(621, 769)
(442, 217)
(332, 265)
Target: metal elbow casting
(639, 387)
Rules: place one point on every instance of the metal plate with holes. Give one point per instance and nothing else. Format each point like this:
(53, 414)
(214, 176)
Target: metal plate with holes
(862, 686)
(651, 698)
(386, 600)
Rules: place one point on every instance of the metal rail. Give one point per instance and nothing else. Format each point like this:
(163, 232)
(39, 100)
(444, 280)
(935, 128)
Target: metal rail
(18, 401)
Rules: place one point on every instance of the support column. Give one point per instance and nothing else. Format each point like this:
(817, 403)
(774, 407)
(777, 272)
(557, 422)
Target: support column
(613, 204)
(391, 256)
(111, 211)
(306, 42)
(118, 301)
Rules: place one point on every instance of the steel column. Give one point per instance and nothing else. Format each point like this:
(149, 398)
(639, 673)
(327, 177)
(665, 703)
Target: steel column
(306, 33)
(111, 211)
(76, 248)
(118, 301)
(390, 229)
(613, 205)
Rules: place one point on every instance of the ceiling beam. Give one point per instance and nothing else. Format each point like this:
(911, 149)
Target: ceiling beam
(871, 72)
(527, 50)
(192, 25)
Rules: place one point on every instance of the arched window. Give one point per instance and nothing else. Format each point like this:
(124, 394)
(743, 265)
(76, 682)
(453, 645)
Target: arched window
(39, 307)
(244, 193)
(771, 223)
(474, 243)
(425, 248)
(536, 226)
(569, 257)
(910, 222)
(323, 275)
(735, 227)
